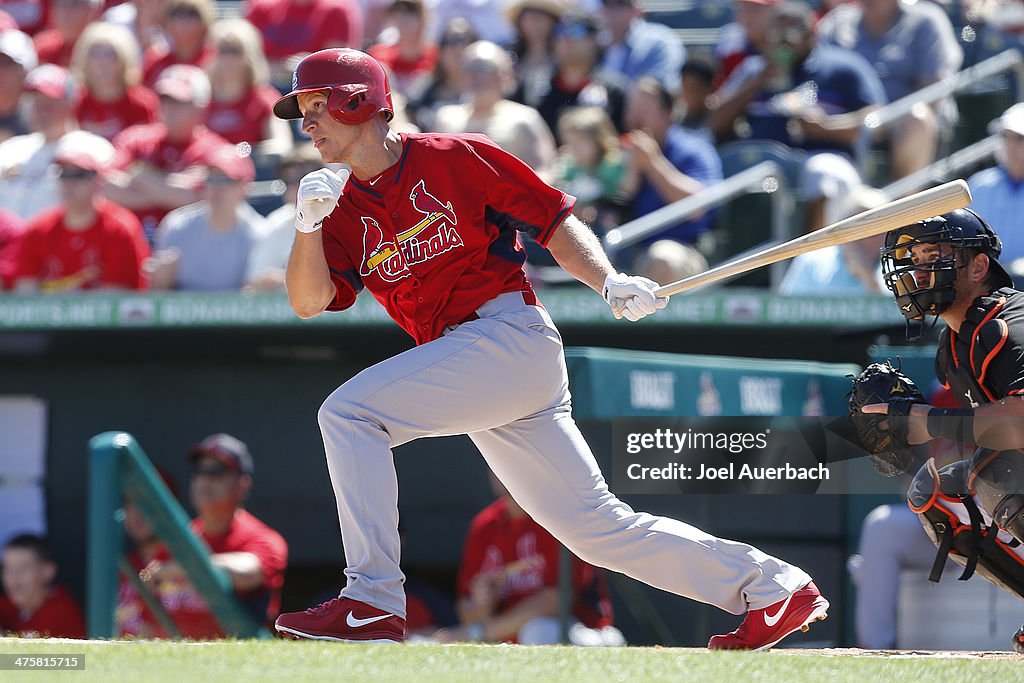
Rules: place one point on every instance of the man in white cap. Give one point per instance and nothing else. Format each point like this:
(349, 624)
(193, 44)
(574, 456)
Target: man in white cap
(999, 191)
(17, 58)
(86, 242)
(161, 166)
(27, 185)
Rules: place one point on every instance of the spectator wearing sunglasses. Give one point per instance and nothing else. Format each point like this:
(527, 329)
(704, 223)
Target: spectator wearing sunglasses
(253, 555)
(86, 242)
(206, 246)
(578, 80)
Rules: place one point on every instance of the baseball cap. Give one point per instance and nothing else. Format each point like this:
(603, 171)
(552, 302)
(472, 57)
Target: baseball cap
(234, 163)
(19, 47)
(225, 449)
(553, 7)
(52, 81)
(1011, 120)
(184, 83)
(84, 150)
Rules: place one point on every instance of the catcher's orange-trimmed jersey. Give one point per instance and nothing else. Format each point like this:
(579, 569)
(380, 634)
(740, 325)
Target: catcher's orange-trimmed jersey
(435, 236)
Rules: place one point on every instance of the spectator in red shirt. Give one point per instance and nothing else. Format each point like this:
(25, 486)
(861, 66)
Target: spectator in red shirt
(161, 166)
(508, 584)
(293, 28)
(106, 64)
(243, 99)
(70, 17)
(32, 605)
(17, 58)
(187, 26)
(86, 242)
(11, 229)
(253, 555)
(410, 55)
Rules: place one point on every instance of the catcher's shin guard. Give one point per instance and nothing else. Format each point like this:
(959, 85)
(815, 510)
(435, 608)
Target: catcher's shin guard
(962, 530)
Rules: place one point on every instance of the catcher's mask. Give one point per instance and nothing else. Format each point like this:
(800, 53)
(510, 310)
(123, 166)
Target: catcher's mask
(929, 287)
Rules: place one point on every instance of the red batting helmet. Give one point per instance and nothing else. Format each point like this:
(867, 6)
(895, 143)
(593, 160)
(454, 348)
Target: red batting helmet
(357, 83)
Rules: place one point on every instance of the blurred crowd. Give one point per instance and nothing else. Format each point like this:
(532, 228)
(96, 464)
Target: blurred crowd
(138, 149)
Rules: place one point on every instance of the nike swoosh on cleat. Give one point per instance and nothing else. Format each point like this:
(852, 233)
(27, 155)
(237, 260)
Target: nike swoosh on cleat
(770, 620)
(353, 622)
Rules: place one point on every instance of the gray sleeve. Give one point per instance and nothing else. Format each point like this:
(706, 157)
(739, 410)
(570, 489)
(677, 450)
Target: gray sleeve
(169, 232)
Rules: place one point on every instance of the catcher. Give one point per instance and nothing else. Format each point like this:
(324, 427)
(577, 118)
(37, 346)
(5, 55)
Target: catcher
(947, 266)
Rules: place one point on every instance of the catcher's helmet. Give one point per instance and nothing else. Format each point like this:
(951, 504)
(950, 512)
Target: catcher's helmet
(961, 230)
(357, 85)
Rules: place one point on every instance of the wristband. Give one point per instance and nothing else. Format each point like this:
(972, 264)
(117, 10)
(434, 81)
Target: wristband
(955, 424)
(308, 227)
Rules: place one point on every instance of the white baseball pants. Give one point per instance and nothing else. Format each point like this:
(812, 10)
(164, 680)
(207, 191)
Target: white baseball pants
(502, 380)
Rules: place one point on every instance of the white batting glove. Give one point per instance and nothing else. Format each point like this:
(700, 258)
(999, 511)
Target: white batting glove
(632, 297)
(318, 194)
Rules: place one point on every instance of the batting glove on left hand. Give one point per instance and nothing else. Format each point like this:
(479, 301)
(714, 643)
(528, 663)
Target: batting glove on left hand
(632, 297)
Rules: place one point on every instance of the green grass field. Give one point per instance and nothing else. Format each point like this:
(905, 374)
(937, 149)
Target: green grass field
(244, 661)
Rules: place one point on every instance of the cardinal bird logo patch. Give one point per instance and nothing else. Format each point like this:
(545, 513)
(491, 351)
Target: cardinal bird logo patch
(434, 234)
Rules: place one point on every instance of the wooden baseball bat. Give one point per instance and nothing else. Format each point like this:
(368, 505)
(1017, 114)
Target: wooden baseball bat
(895, 214)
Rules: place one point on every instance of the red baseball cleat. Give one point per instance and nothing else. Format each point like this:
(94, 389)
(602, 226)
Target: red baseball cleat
(345, 620)
(763, 628)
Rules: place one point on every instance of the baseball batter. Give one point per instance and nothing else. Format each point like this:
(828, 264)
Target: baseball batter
(428, 224)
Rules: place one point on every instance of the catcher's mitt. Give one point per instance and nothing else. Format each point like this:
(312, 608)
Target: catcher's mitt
(887, 445)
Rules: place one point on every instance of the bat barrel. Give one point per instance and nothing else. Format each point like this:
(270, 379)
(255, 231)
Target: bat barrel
(932, 202)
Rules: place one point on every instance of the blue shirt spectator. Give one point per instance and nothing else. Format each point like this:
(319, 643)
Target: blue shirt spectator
(692, 155)
(999, 191)
(640, 48)
(837, 81)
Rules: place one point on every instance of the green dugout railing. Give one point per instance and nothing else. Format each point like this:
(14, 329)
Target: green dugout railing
(119, 469)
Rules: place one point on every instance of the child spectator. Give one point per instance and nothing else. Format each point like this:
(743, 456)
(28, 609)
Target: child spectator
(410, 55)
(160, 166)
(205, 246)
(187, 25)
(17, 58)
(86, 242)
(698, 76)
(70, 17)
(106, 64)
(590, 166)
(32, 606)
(243, 99)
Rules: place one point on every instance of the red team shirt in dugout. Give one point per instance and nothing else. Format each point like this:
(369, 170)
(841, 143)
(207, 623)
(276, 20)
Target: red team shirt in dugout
(434, 237)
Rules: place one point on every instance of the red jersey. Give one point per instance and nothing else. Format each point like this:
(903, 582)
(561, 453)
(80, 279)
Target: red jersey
(156, 59)
(291, 28)
(58, 617)
(527, 557)
(138, 105)
(11, 229)
(148, 144)
(434, 246)
(109, 253)
(52, 48)
(246, 119)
